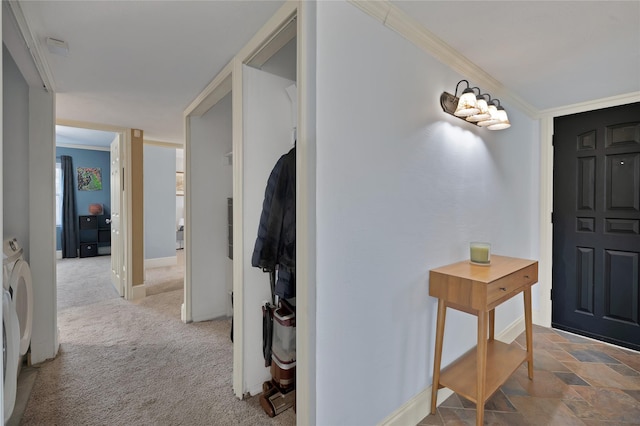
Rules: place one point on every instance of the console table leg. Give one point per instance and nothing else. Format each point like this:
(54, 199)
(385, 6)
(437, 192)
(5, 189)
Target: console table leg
(528, 323)
(442, 311)
(492, 324)
(481, 366)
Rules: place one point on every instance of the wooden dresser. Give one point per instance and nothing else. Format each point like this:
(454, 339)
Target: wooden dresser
(477, 290)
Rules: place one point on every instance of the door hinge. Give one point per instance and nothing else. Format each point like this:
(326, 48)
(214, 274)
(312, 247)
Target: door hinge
(551, 294)
(551, 217)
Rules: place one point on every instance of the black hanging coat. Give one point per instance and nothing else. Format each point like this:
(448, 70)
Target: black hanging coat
(275, 246)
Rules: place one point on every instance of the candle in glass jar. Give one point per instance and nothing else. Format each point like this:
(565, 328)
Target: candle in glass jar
(480, 253)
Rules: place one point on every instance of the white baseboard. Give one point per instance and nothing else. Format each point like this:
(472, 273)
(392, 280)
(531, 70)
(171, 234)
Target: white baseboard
(210, 316)
(161, 261)
(418, 407)
(510, 333)
(58, 254)
(183, 314)
(539, 318)
(139, 292)
(256, 389)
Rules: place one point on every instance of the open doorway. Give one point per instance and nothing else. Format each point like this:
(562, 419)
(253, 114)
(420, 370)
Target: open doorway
(83, 225)
(163, 217)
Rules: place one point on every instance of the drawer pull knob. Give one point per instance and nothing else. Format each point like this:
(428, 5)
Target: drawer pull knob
(503, 289)
(526, 276)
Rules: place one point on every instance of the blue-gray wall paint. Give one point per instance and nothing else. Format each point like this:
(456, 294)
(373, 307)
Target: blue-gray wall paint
(159, 202)
(15, 158)
(88, 158)
(401, 188)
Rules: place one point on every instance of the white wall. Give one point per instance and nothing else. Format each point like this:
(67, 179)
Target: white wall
(28, 195)
(211, 185)
(42, 235)
(15, 168)
(159, 202)
(267, 136)
(401, 188)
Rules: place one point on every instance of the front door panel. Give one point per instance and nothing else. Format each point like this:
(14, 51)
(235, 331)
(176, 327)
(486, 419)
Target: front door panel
(596, 224)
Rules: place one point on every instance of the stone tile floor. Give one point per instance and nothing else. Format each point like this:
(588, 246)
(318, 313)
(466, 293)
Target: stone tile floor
(576, 381)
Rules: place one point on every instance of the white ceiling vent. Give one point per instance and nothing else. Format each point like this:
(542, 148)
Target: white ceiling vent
(57, 47)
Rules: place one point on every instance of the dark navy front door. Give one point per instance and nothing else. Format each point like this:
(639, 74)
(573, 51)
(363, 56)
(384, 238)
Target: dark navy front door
(596, 224)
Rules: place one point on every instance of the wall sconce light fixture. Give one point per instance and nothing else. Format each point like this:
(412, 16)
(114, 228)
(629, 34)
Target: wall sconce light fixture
(475, 108)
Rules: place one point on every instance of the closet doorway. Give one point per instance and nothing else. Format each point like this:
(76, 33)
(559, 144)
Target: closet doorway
(262, 130)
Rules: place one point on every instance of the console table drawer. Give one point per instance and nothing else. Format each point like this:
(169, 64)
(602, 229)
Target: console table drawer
(504, 288)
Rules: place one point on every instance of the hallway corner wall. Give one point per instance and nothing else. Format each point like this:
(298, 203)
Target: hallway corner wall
(402, 188)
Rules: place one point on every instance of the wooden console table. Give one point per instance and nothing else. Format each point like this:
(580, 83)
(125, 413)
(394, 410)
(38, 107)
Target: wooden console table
(477, 290)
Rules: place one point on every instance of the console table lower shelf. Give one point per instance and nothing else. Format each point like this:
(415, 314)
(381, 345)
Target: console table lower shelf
(502, 361)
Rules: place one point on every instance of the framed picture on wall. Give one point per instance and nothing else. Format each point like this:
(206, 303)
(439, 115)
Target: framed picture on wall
(89, 179)
(179, 183)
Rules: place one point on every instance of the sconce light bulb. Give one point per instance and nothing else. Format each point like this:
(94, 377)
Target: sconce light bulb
(467, 105)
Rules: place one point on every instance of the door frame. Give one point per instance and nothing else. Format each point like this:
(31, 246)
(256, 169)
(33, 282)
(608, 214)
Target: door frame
(118, 281)
(542, 316)
(230, 80)
(127, 201)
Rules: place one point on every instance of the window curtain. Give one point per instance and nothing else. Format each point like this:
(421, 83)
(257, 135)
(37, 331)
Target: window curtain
(69, 222)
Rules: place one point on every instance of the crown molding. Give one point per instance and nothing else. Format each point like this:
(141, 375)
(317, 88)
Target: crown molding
(397, 20)
(259, 49)
(269, 31)
(611, 101)
(217, 89)
(39, 59)
(86, 147)
(376, 9)
(91, 126)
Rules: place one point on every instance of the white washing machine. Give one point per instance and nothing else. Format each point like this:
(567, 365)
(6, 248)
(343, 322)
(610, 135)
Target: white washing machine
(17, 304)
(10, 352)
(17, 280)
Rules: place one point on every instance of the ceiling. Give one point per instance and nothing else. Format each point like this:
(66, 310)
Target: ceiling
(139, 64)
(549, 53)
(73, 136)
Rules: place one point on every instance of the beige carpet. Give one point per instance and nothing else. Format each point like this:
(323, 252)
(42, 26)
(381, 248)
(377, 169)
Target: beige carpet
(123, 363)
(165, 278)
